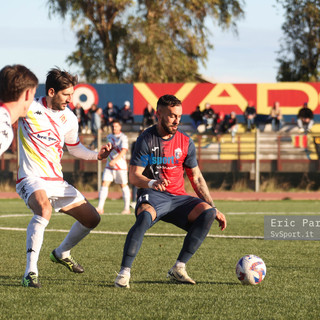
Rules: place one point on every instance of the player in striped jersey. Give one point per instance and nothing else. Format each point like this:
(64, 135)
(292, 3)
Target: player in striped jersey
(47, 127)
(162, 154)
(17, 89)
(116, 168)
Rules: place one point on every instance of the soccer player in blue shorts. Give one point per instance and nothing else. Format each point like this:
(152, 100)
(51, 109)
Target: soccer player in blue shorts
(161, 155)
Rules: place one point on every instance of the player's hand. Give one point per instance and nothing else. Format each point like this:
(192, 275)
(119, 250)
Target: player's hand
(112, 163)
(105, 151)
(221, 219)
(161, 185)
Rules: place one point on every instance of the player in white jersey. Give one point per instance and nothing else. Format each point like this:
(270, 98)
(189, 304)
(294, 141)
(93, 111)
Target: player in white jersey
(116, 168)
(47, 127)
(17, 89)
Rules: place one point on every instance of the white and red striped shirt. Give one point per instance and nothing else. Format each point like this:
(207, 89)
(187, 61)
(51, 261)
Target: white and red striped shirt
(119, 142)
(42, 135)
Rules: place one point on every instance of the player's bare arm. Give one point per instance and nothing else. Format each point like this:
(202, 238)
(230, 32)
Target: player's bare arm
(137, 178)
(200, 186)
(120, 155)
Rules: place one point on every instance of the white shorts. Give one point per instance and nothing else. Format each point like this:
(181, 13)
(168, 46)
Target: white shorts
(59, 193)
(118, 176)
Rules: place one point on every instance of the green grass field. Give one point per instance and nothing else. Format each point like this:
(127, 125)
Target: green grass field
(290, 290)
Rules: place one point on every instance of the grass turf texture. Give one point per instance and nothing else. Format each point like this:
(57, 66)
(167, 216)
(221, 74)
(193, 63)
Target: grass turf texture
(289, 291)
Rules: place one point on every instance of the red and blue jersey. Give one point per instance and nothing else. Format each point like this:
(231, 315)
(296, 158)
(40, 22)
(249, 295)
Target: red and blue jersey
(165, 159)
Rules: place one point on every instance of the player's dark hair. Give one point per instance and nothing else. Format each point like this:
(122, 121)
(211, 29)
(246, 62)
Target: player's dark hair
(14, 80)
(116, 121)
(59, 80)
(168, 100)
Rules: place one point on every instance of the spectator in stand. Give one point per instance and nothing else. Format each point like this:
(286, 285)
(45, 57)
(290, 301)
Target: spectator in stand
(110, 113)
(250, 114)
(96, 125)
(196, 118)
(90, 113)
(218, 125)
(81, 116)
(275, 117)
(208, 116)
(126, 114)
(231, 126)
(96, 119)
(149, 116)
(305, 119)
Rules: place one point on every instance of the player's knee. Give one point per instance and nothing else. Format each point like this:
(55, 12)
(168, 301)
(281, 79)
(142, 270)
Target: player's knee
(144, 219)
(42, 209)
(94, 221)
(207, 217)
(105, 183)
(148, 208)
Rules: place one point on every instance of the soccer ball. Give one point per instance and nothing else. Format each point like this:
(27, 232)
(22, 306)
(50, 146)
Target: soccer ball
(251, 269)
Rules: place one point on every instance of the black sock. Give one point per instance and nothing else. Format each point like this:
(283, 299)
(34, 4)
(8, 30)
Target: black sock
(197, 234)
(135, 237)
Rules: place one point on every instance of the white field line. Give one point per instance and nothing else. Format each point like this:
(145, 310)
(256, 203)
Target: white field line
(150, 234)
(272, 213)
(147, 234)
(18, 215)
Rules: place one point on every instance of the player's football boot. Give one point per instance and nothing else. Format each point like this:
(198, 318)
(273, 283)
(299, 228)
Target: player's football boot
(31, 280)
(69, 262)
(122, 281)
(179, 274)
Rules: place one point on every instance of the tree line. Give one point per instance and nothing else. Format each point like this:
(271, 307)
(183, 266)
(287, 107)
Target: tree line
(166, 40)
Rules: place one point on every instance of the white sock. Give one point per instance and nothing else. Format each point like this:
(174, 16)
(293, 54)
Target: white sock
(76, 233)
(103, 195)
(125, 270)
(126, 197)
(180, 264)
(35, 232)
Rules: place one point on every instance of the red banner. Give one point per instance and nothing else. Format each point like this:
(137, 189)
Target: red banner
(229, 97)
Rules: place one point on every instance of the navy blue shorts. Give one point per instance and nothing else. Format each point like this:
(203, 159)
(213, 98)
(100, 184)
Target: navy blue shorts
(169, 208)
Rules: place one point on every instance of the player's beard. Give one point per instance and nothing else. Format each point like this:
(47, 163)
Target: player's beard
(56, 104)
(168, 129)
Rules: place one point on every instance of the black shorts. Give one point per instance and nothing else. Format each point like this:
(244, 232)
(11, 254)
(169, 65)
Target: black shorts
(169, 208)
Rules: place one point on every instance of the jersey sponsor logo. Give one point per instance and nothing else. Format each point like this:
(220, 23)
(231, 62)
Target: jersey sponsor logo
(63, 118)
(178, 153)
(47, 137)
(151, 159)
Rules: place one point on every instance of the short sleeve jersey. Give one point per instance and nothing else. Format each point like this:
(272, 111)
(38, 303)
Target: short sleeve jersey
(119, 142)
(6, 132)
(165, 158)
(42, 135)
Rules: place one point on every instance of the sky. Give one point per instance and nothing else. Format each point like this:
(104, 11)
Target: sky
(30, 38)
